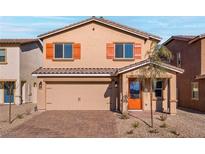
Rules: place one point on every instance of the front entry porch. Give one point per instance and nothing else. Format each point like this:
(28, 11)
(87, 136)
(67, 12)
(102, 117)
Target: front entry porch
(139, 94)
(135, 93)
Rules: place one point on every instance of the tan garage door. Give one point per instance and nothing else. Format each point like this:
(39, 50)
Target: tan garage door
(74, 96)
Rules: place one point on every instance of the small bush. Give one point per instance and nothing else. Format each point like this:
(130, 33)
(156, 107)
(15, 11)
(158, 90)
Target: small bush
(175, 132)
(130, 132)
(124, 116)
(164, 125)
(163, 117)
(135, 125)
(28, 111)
(154, 131)
(19, 116)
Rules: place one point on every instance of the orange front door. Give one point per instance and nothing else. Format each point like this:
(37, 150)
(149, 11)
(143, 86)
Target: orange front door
(134, 97)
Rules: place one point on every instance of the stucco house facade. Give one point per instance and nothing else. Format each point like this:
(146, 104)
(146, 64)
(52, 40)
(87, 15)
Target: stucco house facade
(189, 54)
(18, 59)
(94, 65)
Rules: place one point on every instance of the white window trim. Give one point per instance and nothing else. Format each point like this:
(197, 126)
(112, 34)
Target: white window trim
(192, 85)
(63, 52)
(155, 88)
(5, 51)
(124, 58)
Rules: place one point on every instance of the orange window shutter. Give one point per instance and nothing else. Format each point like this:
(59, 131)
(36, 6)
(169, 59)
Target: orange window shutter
(77, 50)
(110, 50)
(137, 51)
(49, 50)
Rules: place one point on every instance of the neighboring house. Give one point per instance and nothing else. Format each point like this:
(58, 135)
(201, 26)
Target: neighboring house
(18, 59)
(189, 54)
(94, 65)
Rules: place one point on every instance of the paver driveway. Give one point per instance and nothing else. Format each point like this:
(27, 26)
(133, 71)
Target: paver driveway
(68, 124)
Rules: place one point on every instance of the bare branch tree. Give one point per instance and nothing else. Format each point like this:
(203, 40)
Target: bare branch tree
(156, 54)
(10, 86)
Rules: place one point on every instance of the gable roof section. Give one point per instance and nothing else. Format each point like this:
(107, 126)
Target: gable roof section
(185, 38)
(147, 62)
(104, 22)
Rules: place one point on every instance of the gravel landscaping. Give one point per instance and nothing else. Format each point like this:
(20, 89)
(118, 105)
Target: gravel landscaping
(185, 124)
(20, 114)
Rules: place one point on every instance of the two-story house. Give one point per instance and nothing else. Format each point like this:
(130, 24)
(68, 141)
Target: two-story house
(93, 65)
(189, 54)
(18, 59)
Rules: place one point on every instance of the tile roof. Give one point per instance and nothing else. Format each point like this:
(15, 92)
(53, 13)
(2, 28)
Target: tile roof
(103, 21)
(17, 41)
(196, 38)
(100, 71)
(76, 71)
(180, 37)
(147, 62)
(185, 37)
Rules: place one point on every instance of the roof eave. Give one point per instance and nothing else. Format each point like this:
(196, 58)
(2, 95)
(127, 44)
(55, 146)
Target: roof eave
(42, 36)
(175, 69)
(72, 75)
(168, 41)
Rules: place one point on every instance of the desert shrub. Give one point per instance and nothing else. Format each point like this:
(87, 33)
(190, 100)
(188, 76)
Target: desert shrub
(19, 116)
(175, 132)
(164, 125)
(163, 117)
(130, 132)
(135, 125)
(154, 131)
(124, 116)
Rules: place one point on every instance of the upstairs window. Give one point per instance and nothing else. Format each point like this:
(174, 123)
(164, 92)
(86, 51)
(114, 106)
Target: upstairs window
(124, 51)
(158, 88)
(195, 90)
(63, 51)
(179, 59)
(2, 55)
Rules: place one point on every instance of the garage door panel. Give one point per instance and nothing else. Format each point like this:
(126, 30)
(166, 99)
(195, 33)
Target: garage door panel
(78, 96)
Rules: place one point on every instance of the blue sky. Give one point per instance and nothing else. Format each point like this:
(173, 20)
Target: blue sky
(30, 27)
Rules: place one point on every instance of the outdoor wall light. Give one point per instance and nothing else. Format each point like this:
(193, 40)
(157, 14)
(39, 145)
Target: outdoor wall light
(34, 84)
(40, 85)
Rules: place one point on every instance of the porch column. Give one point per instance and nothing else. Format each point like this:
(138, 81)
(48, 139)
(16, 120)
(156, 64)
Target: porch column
(165, 96)
(41, 96)
(17, 98)
(124, 94)
(173, 100)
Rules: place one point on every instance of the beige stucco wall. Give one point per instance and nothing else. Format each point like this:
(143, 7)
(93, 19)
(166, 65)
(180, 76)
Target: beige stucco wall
(31, 59)
(11, 71)
(93, 46)
(157, 104)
